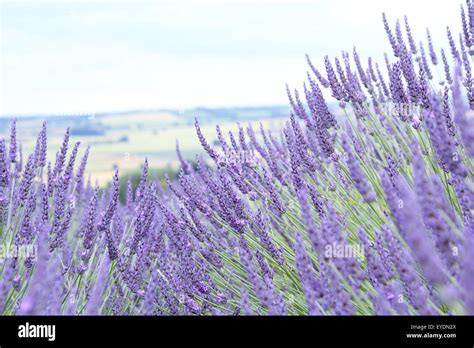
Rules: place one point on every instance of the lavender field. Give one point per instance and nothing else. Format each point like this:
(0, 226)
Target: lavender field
(368, 214)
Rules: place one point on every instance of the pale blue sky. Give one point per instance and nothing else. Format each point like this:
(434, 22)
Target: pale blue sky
(93, 56)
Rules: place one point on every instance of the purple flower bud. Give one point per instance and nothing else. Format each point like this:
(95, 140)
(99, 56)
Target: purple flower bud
(423, 89)
(452, 45)
(391, 38)
(68, 172)
(465, 28)
(447, 114)
(143, 180)
(318, 75)
(4, 171)
(431, 203)
(468, 275)
(357, 175)
(307, 276)
(245, 303)
(13, 142)
(41, 147)
(261, 230)
(434, 58)
(424, 61)
(263, 290)
(336, 88)
(363, 76)
(90, 220)
(297, 108)
(6, 283)
(464, 123)
(382, 81)
(447, 69)
(410, 37)
(104, 225)
(61, 155)
(211, 152)
(81, 171)
(184, 164)
(27, 179)
(408, 218)
(443, 144)
(397, 90)
(95, 301)
(406, 267)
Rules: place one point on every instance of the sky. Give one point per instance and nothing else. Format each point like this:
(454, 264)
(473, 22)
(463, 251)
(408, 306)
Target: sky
(87, 56)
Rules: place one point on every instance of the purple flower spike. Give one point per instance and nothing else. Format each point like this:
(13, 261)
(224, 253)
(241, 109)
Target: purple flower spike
(464, 121)
(4, 170)
(41, 146)
(13, 142)
(410, 37)
(184, 164)
(61, 155)
(81, 171)
(447, 69)
(465, 28)
(104, 225)
(468, 275)
(307, 276)
(336, 87)
(391, 38)
(424, 60)
(318, 75)
(408, 218)
(434, 58)
(357, 176)
(452, 45)
(211, 152)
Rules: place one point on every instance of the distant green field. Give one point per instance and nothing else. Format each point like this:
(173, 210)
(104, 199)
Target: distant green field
(125, 140)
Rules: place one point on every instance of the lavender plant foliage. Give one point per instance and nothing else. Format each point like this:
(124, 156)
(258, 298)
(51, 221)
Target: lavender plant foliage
(360, 208)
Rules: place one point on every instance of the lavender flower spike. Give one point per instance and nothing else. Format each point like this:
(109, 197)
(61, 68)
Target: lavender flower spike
(13, 142)
(104, 225)
(407, 215)
(307, 276)
(360, 181)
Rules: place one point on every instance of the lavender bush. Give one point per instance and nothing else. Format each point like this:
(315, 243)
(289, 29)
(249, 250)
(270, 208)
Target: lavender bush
(371, 215)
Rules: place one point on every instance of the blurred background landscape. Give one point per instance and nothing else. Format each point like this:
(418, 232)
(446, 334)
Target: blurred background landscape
(125, 139)
(129, 77)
